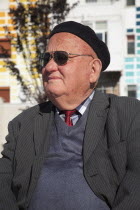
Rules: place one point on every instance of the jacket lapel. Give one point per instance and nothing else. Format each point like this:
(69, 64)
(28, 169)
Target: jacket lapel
(42, 129)
(95, 123)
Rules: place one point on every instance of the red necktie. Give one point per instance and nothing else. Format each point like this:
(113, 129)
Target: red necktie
(68, 114)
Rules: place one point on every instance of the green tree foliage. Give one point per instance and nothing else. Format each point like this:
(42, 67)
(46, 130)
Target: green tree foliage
(32, 23)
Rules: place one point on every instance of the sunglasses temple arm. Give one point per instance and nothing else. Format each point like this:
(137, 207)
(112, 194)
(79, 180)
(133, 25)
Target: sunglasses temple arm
(41, 59)
(81, 55)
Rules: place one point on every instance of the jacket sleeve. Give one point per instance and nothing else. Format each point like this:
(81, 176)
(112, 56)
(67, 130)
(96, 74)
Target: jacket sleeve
(7, 197)
(128, 194)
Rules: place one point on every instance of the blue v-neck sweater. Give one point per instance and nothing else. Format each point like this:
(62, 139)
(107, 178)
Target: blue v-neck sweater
(62, 185)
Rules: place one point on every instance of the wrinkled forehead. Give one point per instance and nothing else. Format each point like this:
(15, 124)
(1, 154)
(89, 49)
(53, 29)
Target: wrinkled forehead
(65, 40)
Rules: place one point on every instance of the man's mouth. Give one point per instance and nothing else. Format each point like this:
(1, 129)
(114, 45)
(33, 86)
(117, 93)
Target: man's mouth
(53, 78)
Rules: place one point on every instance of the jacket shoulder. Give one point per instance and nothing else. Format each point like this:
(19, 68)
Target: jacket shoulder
(31, 112)
(120, 102)
(122, 108)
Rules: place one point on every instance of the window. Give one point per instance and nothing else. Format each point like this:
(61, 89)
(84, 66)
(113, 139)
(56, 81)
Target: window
(101, 30)
(102, 36)
(87, 23)
(109, 82)
(132, 91)
(130, 2)
(101, 25)
(5, 94)
(5, 48)
(130, 44)
(107, 90)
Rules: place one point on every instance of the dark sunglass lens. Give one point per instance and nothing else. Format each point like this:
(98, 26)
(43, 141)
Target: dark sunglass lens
(60, 57)
(46, 58)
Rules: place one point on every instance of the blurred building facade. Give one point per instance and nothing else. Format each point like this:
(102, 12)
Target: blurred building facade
(4, 44)
(10, 89)
(117, 22)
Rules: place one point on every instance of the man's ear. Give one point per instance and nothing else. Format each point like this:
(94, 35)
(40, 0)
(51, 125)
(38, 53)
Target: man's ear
(96, 68)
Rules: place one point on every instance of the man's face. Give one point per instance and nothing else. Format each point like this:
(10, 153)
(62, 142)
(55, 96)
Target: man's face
(72, 79)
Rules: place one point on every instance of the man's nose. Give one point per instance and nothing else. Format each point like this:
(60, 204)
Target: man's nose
(51, 66)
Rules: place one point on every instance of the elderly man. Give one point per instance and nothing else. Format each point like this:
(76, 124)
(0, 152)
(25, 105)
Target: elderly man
(81, 149)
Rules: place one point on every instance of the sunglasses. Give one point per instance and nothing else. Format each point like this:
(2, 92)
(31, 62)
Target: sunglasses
(60, 57)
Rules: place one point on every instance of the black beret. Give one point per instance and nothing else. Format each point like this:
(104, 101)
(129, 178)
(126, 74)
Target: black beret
(89, 36)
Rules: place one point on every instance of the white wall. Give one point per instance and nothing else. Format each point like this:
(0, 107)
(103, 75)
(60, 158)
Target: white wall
(4, 4)
(115, 44)
(7, 113)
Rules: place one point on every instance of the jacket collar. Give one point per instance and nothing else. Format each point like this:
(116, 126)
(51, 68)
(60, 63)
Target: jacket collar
(42, 127)
(95, 123)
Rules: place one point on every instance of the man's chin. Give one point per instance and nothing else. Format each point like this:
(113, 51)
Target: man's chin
(54, 94)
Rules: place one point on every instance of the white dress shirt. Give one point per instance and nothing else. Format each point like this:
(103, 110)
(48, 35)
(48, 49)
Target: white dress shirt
(81, 109)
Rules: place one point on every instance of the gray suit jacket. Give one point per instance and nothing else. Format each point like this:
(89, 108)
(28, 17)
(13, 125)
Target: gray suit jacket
(111, 153)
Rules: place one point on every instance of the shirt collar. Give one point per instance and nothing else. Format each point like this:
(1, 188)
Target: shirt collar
(83, 106)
